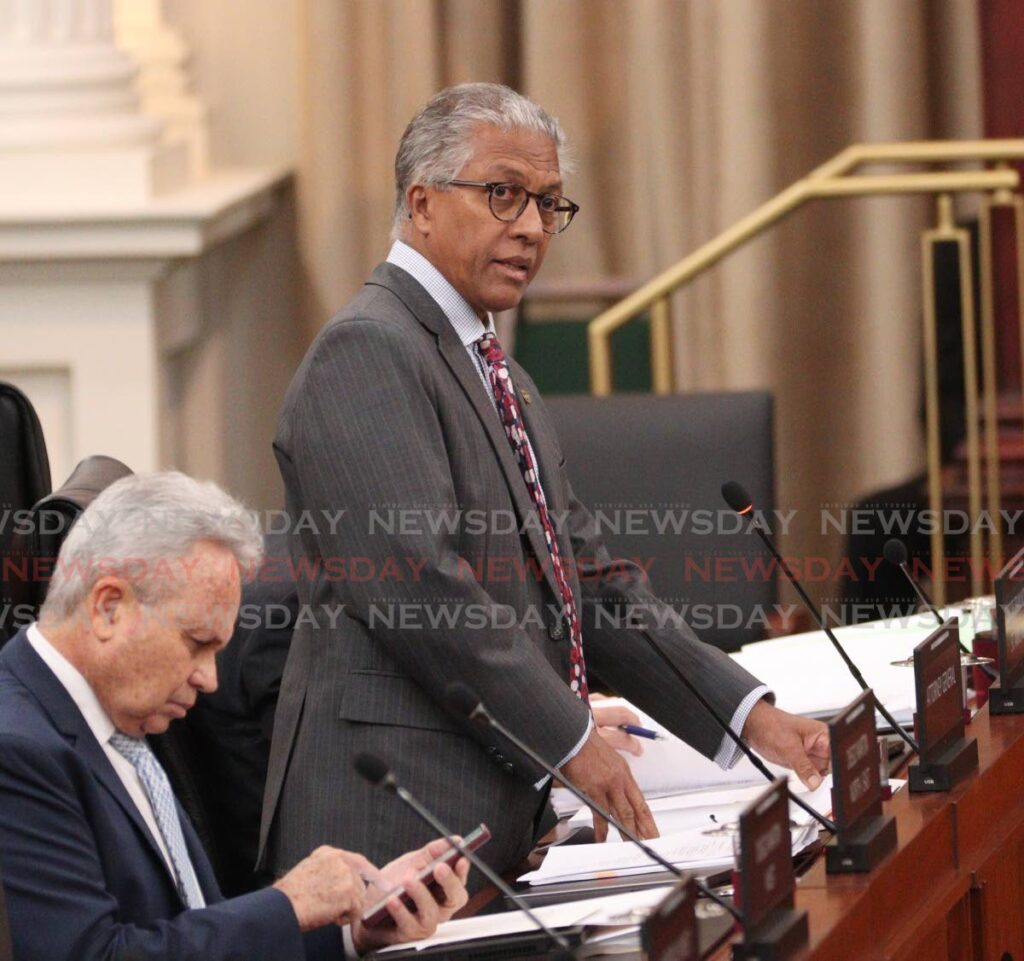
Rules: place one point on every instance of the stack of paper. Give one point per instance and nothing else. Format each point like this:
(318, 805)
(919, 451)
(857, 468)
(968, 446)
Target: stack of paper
(703, 810)
(609, 917)
(670, 767)
(809, 677)
(687, 850)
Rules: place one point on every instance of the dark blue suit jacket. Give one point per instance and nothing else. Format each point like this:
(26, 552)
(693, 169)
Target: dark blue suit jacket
(83, 877)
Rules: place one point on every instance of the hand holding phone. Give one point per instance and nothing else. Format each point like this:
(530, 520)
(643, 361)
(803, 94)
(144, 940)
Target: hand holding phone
(377, 914)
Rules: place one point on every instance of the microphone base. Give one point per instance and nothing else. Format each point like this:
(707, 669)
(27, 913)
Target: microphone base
(950, 768)
(860, 850)
(781, 935)
(1008, 700)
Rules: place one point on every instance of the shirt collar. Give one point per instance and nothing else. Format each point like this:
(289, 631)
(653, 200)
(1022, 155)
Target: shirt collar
(77, 686)
(460, 315)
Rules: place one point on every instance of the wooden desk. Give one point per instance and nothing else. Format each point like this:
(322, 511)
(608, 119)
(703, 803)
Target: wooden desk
(953, 888)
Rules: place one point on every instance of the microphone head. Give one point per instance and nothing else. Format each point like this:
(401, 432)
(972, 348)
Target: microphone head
(372, 768)
(737, 497)
(463, 700)
(895, 551)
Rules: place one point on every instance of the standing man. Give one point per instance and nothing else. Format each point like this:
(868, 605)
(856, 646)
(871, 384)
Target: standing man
(99, 860)
(462, 554)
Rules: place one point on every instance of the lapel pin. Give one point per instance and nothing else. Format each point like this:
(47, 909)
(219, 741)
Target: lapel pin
(527, 399)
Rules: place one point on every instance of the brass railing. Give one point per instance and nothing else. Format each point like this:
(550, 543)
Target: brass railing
(838, 178)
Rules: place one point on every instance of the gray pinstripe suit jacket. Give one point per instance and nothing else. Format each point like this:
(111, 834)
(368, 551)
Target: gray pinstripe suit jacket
(387, 419)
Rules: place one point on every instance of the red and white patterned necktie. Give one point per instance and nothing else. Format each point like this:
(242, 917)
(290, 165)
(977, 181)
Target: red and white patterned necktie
(512, 421)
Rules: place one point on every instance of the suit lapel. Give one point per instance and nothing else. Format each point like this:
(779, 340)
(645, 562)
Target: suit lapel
(425, 309)
(30, 669)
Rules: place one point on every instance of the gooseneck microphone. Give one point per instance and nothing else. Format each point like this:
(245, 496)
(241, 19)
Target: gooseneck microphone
(376, 771)
(464, 702)
(741, 502)
(895, 552)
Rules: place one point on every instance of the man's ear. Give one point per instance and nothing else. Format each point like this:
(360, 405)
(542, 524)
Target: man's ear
(106, 605)
(417, 199)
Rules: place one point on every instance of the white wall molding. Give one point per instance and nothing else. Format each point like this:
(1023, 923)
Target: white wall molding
(70, 123)
(107, 315)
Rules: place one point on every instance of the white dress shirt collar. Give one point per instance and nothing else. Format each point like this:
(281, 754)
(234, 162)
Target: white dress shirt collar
(461, 316)
(77, 686)
(102, 728)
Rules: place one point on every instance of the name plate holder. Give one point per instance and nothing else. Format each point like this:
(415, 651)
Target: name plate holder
(863, 834)
(947, 756)
(670, 931)
(772, 928)
(1008, 696)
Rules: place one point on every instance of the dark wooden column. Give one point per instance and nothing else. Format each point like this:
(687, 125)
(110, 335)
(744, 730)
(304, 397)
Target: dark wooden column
(1002, 51)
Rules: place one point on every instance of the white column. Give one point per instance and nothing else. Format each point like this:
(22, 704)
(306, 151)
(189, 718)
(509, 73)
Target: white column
(158, 335)
(71, 131)
(163, 81)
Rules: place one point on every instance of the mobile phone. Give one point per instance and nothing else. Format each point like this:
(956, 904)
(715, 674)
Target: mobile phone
(378, 914)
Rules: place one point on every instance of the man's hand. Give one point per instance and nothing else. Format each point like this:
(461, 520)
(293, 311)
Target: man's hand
(604, 775)
(327, 887)
(607, 721)
(798, 743)
(429, 912)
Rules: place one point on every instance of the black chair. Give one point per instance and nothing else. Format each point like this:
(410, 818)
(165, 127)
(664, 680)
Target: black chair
(24, 479)
(55, 514)
(651, 470)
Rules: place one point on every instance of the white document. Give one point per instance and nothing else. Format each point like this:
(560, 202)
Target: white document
(809, 677)
(687, 850)
(591, 861)
(668, 766)
(700, 810)
(613, 910)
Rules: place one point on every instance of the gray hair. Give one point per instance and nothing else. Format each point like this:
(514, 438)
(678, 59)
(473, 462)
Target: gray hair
(438, 141)
(140, 523)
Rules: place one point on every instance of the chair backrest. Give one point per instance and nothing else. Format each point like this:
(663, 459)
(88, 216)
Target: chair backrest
(54, 515)
(651, 470)
(24, 479)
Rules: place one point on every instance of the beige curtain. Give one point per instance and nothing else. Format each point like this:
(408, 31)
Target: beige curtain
(685, 115)
(365, 67)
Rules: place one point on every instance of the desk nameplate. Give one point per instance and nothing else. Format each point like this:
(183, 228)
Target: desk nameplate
(947, 756)
(772, 928)
(863, 834)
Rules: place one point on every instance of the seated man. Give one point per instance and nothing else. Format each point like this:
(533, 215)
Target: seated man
(98, 861)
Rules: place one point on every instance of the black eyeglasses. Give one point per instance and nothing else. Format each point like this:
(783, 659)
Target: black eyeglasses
(508, 201)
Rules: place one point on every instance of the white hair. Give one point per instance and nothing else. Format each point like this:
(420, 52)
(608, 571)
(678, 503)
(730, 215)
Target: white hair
(438, 142)
(139, 524)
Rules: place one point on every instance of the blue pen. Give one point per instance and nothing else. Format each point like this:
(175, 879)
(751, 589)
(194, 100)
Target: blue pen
(642, 732)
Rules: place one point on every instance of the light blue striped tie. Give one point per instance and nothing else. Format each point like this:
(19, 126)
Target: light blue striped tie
(158, 789)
